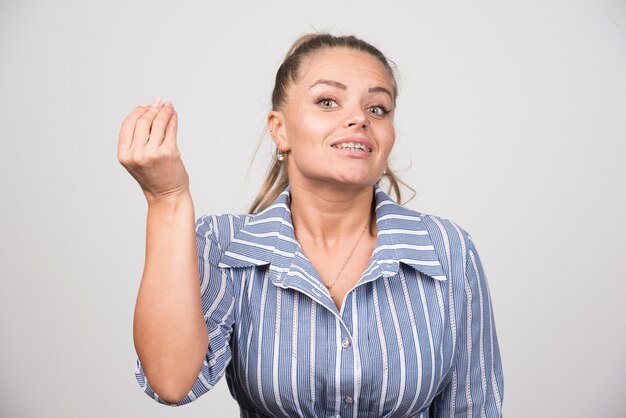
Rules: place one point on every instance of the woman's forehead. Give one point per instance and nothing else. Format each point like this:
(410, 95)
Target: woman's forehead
(342, 64)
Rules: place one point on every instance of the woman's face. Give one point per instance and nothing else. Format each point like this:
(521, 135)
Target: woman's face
(337, 121)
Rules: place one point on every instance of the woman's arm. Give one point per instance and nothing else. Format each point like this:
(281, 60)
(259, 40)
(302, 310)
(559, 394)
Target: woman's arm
(169, 330)
(170, 334)
(476, 388)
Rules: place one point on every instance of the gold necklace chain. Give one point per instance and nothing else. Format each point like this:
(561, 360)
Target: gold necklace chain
(328, 286)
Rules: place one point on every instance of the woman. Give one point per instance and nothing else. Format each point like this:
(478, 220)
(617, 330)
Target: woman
(330, 299)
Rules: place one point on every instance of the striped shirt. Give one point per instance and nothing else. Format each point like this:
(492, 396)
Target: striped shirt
(415, 337)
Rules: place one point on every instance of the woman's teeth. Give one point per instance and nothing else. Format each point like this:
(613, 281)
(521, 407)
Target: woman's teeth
(352, 146)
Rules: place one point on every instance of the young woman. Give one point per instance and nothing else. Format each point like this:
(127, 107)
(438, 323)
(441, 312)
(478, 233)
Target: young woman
(329, 299)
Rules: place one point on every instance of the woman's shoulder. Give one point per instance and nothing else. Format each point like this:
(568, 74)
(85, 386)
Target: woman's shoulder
(453, 243)
(443, 226)
(443, 229)
(449, 238)
(220, 229)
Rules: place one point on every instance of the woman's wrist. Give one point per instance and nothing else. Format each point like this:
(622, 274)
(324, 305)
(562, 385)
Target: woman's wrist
(169, 202)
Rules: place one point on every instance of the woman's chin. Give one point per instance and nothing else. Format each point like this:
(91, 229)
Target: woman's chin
(357, 180)
(340, 178)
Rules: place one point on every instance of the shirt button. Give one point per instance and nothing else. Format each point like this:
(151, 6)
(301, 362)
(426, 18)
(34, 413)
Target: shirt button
(345, 343)
(348, 399)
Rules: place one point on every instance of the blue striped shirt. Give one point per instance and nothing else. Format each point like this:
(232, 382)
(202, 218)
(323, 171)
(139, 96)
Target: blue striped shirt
(415, 337)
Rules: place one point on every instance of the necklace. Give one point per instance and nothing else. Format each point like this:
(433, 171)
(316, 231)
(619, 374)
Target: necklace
(328, 286)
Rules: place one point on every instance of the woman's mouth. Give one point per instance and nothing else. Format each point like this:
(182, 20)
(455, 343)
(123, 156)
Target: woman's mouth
(351, 146)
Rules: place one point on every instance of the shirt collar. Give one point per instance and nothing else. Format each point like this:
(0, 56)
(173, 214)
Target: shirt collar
(268, 239)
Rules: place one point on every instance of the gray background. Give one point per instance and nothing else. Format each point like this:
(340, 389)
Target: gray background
(511, 122)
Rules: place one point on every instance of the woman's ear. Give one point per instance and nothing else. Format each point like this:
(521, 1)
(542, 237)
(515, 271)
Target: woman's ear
(276, 128)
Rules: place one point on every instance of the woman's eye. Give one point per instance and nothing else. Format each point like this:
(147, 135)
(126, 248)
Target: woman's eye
(326, 102)
(378, 110)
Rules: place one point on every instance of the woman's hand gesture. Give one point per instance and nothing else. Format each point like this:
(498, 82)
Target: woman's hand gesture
(147, 149)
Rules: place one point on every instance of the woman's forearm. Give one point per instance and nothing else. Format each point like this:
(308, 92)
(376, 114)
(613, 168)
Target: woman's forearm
(169, 331)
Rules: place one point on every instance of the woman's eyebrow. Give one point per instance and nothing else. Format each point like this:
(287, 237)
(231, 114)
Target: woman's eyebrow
(342, 86)
(380, 90)
(330, 82)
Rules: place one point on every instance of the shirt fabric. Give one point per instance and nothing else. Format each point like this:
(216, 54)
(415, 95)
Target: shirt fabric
(415, 337)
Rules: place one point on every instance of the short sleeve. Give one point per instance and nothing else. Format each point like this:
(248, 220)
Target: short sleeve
(476, 386)
(217, 304)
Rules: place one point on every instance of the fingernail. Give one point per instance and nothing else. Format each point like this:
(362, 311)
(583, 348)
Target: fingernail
(156, 103)
(168, 104)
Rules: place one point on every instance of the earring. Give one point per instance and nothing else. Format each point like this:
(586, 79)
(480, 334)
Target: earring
(280, 157)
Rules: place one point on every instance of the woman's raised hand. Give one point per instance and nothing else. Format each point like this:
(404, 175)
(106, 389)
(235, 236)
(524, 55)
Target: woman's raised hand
(147, 149)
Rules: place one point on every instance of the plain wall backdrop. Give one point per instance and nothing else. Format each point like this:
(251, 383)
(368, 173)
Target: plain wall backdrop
(511, 122)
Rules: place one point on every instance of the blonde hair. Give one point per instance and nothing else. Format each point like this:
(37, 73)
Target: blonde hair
(277, 179)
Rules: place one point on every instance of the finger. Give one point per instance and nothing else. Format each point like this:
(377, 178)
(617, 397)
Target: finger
(144, 125)
(128, 127)
(171, 130)
(159, 124)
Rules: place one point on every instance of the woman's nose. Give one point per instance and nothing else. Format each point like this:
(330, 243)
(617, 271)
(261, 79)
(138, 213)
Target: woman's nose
(358, 118)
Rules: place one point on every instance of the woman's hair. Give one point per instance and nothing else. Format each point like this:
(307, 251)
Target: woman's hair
(305, 46)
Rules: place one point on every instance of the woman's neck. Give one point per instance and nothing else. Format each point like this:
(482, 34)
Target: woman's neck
(325, 216)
